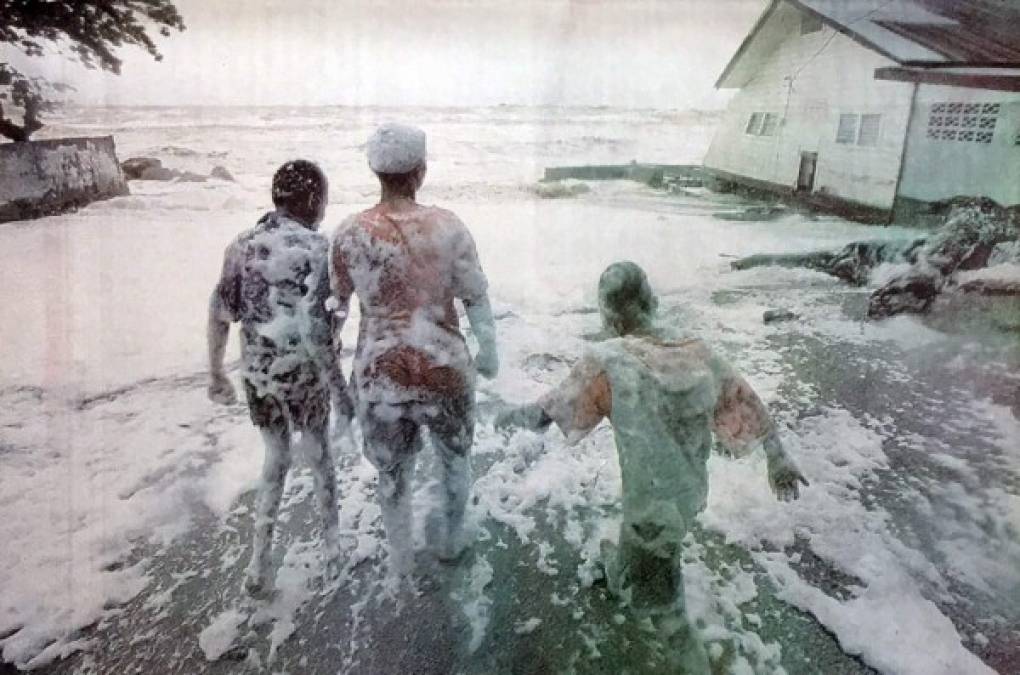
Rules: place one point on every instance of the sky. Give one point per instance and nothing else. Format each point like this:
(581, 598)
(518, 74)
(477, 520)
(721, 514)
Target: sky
(627, 53)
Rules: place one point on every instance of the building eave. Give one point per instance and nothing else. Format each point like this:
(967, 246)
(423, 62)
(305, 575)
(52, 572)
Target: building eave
(935, 65)
(1004, 82)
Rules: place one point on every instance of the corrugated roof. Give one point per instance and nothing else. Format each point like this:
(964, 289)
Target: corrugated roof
(970, 32)
(933, 33)
(862, 21)
(957, 43)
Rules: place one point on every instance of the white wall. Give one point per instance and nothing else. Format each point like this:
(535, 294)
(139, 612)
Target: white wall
(831, 74)
(940, 169)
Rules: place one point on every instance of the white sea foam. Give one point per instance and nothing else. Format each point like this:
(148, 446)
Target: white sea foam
(116, 293)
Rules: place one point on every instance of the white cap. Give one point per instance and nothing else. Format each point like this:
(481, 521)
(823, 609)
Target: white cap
(396, 148)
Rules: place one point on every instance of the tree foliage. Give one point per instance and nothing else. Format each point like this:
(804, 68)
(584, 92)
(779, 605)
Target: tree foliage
(91, 30)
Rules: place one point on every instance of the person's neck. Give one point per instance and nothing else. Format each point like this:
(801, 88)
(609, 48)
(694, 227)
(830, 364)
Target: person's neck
(397, 198)
(284, 213)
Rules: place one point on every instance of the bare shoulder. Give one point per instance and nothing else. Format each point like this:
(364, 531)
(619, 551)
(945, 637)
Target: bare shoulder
(349, 225)
(446, 218)
(440, 213)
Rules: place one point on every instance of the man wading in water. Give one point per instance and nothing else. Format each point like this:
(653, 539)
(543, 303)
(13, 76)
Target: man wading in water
(664, 400)
(412, 369)
(275, 282)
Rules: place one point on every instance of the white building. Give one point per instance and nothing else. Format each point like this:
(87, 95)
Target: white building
(871, 107)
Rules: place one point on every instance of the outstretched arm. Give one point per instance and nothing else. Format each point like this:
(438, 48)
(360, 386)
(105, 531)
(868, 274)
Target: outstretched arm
(741, 421)
(531, 416)
(224, 305)
(577, 405)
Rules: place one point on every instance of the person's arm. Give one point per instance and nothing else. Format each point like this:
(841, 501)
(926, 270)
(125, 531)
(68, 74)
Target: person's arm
(337, 303)
(741, 421)
(577, 405)
(471, 286)
(319, 337)
(224, 308)
(531, 416)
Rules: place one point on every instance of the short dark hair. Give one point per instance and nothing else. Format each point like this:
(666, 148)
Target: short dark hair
(299, 187)
(625, 298)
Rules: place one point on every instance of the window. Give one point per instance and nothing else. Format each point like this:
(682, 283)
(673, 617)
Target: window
(965, 122)
(754, 124)
(809, 23)
(847, 132)
(870, 126)
(762, 124)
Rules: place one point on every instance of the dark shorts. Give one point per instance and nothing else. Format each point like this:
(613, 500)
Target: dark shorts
(304, 407)
(392, 432)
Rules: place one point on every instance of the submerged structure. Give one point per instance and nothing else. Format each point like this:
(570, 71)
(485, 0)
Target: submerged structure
(875, 109)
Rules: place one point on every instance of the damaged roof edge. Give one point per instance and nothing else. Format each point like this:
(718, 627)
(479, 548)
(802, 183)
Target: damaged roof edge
(826, 20)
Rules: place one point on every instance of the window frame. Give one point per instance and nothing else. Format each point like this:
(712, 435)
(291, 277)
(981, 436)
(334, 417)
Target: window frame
(877, 117)
(767, 119)
(754, 124)
(845, 136)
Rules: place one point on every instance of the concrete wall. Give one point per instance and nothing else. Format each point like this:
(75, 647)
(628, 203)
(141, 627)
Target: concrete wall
(937, 168)
(39, 178)
(809, 80)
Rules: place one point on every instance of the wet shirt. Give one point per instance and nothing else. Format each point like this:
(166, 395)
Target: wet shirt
(664, 400)
(275, 283)
(407, 267)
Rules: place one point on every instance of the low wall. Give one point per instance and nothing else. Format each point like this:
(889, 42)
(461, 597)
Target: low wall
(40, 178)
(643, 173)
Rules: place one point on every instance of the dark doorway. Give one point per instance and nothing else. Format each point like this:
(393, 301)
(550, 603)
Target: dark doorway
(806, 177)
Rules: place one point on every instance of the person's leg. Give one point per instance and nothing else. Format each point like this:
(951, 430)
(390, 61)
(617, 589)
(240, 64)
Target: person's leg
(650, 575)
(274, 474)
(453, 433)
(392, 442)
(324, 484)
(455, 475)
(268, 415)
(395, 502)
(311, 410)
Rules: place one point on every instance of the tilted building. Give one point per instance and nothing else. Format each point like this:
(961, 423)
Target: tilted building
(875, 108)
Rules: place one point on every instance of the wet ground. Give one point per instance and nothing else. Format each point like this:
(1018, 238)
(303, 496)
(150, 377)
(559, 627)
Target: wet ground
(540, 618)
(942, 498)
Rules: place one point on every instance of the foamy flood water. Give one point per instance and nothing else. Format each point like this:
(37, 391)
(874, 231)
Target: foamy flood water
(124, 487)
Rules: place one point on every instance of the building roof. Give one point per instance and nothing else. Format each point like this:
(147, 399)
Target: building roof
(928, 33)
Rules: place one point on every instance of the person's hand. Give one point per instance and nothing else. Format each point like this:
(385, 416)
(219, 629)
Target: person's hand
(343, 413)
(506, 420)
(530, 416)
(221, 390)
(487, 363)
(343, 405)
(785, 480)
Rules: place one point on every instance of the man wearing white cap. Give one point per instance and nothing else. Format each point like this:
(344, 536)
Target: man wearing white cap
(412, 368)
